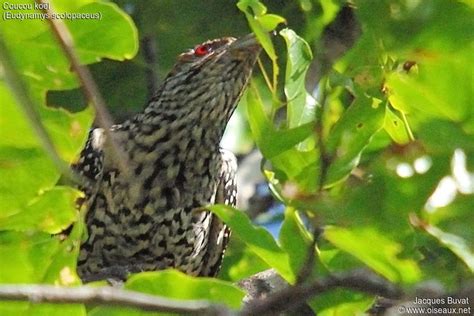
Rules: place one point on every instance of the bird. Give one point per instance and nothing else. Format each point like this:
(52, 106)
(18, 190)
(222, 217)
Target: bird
(152, 215)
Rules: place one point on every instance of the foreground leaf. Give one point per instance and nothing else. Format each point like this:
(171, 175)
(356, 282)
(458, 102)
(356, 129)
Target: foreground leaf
(342, 302)
(175, 284)
(29, 256)
(351, 134)
(454, 243)
(259, 240)
(376, 251)
(295, 239)
(301, 105)
(261, 23)
(52, 212)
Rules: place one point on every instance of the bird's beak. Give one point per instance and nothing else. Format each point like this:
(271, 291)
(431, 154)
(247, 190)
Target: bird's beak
(247, 43)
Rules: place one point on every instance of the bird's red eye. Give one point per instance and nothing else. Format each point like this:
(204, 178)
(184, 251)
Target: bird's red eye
(202, 50)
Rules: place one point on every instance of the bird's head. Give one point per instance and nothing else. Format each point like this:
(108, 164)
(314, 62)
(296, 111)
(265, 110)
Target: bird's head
(207, 81)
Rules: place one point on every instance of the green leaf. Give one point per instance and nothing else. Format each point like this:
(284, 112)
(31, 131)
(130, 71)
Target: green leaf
(257, 7)
(351, 134)
(240, 262)
(441, 89)
(26, 308)
(175, 284)
(56, 310)
(376, 251)
(443, 136)
(295, 239)
(395, 127)
(454, 243)
(29, 256)
(29, 199)
(270, 21)
(52, 211)
(24, 173)
(14, 129)
(279, 145)
(441, 25)
(114, 36)
(68, 131)
(260, 22)
(301, 105)
(258, 239)
(342, 302)
(272, 142)
(318, 15)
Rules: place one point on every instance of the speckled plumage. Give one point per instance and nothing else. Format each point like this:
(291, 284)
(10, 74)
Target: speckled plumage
(147, 219)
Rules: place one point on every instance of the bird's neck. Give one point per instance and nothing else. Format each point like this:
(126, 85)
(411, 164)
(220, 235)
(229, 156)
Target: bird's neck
(204, 123)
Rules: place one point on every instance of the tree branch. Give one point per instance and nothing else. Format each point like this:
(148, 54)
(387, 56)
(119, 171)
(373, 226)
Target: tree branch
(267, 294)
(289, 297)
(107, 295)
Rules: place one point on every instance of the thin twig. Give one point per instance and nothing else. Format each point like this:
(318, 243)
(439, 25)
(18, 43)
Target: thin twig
(275, 74)
(307, 268)
(21, 93)
(265, 75)
(287, 298)
(324, 159)
(107, 296)
(407, 126)
(90, 89)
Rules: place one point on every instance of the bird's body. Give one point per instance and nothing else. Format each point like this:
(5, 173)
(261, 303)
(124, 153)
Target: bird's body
(146, 218)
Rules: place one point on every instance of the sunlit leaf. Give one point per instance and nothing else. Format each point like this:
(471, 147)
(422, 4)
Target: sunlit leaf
(454, 243)
(113, 21)
(240, 262)
(52, 211)
(295, 239)
(24, 172)
(259, 240)
(350, 136)
(175, 284)
(279, 145)
(270, 21)
(301, 105)
(342, 302)
(376, 251)
(441, 88)
(272, 142)
(29, 256)
(395, 127)
(260, 22)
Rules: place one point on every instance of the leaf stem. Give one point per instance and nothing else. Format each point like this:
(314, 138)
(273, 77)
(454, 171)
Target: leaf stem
(265, 75)
(405, 120)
